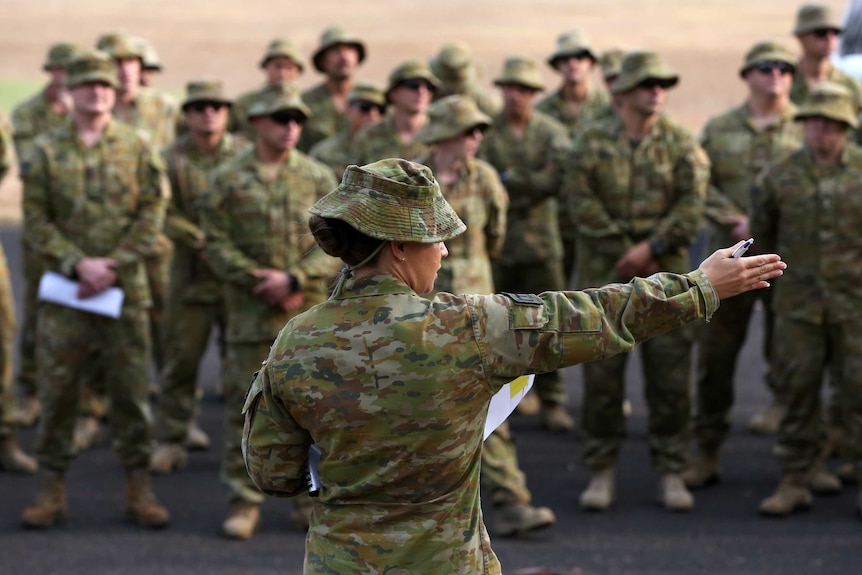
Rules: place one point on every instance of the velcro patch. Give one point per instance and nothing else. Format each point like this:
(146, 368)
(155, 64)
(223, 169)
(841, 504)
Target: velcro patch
(524, 298)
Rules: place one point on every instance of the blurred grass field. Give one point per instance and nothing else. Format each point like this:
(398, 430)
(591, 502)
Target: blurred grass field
(15, 90)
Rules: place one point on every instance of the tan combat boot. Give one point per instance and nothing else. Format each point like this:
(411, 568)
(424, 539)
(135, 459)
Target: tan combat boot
(196, 438)
(823, 481)
(792, 495)
(27, 410)
(50, 507)
(672, 493)
(529, 404)
(142, 507)
(704, 470)
(88, 433)
(767, 423)
(847, 474)
(554, 417)
(599, 494)
(835, 438)
(168, 457)
(242, 521)
(14, 460)
(515, 519)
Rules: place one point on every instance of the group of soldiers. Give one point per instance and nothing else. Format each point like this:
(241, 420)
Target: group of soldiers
(198, 210)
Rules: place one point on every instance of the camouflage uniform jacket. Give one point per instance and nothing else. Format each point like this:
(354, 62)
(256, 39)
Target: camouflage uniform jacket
(336, 151)
(812, 216)
(325, 120)
(738, 151)
(381, 140)
(154, 114)
(620, 195)
(252, 224)
(188, 172)
(485, 101)
(597, 106)
(7, 302)
(480, 201)
(238, 121)
(107, 200)
(799, 89)
(530, 168)
(31, 118)
(394, 388)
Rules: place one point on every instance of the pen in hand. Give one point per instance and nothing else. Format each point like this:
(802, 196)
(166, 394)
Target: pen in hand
(738, 252)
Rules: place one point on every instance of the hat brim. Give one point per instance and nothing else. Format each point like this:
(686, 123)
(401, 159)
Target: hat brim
(625, 83)
(431, 134)
(220, 99)
(92, 77)
(435, 83)
(768, 57)
(317, 58)
(509, 81)
(799, 31)
(553, 58)
(265, 60)
(805, 113)
(275, 109)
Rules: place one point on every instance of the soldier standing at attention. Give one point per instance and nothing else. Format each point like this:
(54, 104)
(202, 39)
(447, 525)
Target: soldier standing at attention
(38, 115)
(12, 458)
(281, 64)
(338, 57)
(259, 247)
(459, 73)
(195, 303)
(810, 205)
(94, 201)
(740, 144)
(366, 105)
(473, 189)
(637, 189)
(526, 148)
(817, 29)
(411, 88)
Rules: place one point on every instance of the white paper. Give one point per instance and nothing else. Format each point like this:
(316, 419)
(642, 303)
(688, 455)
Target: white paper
(57, 288)
(505, 401)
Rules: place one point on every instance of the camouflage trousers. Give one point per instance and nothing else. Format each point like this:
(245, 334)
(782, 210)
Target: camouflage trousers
(803, 353)
(187, 331)
(719, 343)
(667, 365)
(159, 276)
(68, 343)
(242, 361)
(501, 477)
(27, 338)
(7, 338)
(538, 277)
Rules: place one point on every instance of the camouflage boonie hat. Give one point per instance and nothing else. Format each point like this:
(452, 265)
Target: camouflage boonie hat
(811, 17)
(205, 91)
(829, 100)
(279, 48)
(276, 98)
(59, 55)
(610, 61)
(91, 66)
(393, 200)
(367, 93)
(335, 36)
(520, 71)
(449, 117)
(453, 63)
(150, 58)
(767, 51)
(643, 65)
(569, 44)
(411, 70)
(121, 46)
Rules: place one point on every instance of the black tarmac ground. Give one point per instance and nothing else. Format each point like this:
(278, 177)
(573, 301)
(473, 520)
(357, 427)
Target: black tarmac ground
(722, 535)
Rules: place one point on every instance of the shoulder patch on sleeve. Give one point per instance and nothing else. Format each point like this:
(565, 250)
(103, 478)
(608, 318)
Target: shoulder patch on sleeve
(524, 298)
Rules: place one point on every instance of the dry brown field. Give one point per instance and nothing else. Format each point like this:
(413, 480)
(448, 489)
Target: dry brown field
(703, 39)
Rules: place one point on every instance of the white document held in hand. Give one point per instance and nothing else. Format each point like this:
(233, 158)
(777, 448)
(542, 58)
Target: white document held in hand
(505, 401)
(57, 288)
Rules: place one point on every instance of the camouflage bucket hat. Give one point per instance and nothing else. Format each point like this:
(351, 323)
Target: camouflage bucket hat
(643, 65)
(767, 51)
(59, 55)
(829, 100)
(91, 66)
(450, 117)
(276, 98)
(610, 63)
(280, 48)
(336, 36)
(150, 56)
(367, 93)
(569, 44)
(121, 46)
(205, 91)
(811, 17)
(520, 71)
(412, 70)
(393, 200)
(454, 63)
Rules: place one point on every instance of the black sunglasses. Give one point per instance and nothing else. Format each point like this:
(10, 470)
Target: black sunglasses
(285, 117)
(579, 55)
(769, 65)
(416, 83)
(824, 32)
(473, 131)
(652, 83)
(204, 104)
(366, 107)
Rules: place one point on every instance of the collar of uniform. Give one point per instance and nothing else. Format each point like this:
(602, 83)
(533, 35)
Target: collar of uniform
(657, 128)
(374, 285)
(185, 144)
(251, 162)
(109, 133)
(744, 117)
(845, 155)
